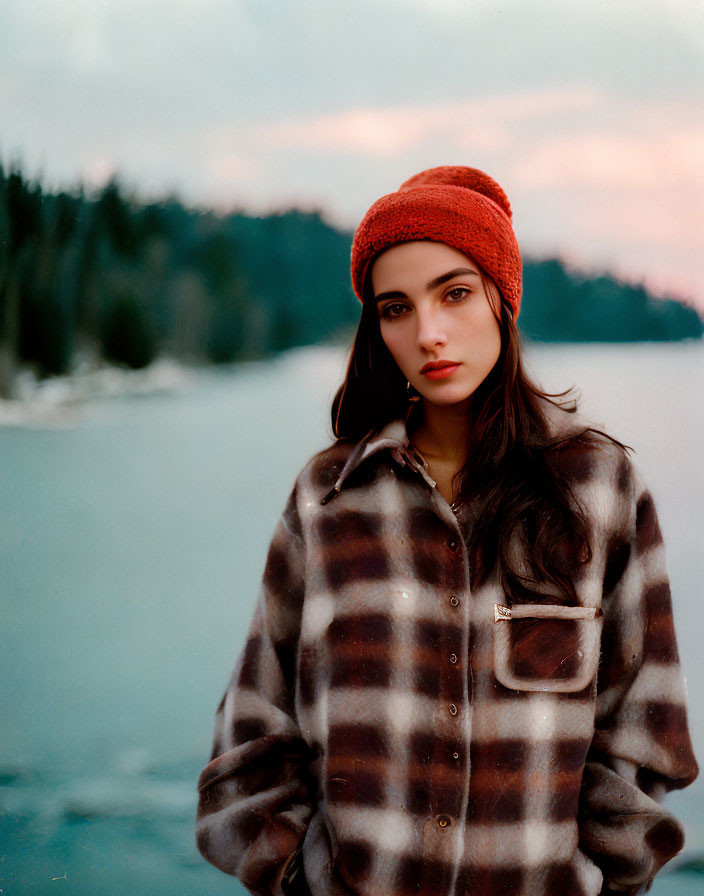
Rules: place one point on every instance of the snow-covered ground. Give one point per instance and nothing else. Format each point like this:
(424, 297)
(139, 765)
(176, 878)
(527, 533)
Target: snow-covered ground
(61, 400)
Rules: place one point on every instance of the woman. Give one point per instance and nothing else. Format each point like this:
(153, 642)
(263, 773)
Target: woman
(462, 675)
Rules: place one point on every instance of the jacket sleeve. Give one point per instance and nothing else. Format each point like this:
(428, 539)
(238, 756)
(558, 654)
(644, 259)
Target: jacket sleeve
(641, 747)
(255, 795)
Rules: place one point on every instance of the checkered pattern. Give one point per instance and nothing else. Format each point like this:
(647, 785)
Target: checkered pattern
(380, 716)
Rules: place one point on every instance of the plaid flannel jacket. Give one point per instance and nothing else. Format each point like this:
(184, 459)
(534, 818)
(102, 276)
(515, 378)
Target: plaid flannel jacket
(401, 733)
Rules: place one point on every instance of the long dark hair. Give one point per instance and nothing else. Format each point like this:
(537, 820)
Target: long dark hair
(517, 471)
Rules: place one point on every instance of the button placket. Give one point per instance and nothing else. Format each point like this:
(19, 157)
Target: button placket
(454, 544)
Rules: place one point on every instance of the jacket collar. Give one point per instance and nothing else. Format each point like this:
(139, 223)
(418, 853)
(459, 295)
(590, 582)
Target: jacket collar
(394, 438)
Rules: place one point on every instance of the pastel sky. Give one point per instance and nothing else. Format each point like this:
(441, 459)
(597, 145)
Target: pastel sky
(589, 114)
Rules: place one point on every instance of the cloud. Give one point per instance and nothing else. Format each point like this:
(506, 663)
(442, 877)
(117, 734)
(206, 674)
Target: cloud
(480, 124)
(231, 167)
(629, 156)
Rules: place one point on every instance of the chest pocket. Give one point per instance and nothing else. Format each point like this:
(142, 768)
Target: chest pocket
(546, 647)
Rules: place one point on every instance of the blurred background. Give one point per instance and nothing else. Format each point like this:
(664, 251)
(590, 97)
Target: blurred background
(179, 185)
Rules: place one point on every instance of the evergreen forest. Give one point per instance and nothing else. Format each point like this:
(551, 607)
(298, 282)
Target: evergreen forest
(106, 276)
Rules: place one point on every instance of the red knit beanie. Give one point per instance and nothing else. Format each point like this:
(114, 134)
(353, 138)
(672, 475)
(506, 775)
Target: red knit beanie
(452, 204)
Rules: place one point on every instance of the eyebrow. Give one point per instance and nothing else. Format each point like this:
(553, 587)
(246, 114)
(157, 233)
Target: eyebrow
(432, 284)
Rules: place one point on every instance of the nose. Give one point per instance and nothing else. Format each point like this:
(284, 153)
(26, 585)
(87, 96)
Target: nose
(431, 331)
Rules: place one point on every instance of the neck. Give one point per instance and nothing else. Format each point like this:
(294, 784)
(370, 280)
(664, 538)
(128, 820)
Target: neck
(443, 431)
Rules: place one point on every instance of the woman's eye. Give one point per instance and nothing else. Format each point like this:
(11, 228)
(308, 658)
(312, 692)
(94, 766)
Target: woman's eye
(393, 309)
(458, 293)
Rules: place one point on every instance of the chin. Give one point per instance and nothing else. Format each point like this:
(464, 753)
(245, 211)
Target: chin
(450, 398)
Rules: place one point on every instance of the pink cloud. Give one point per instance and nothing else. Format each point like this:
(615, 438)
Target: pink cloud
(232, 167)
(479, 124)
(629, 158)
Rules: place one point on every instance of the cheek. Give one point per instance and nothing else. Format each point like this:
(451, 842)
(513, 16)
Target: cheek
(488, 328)
(492, 349)
(395, 343)
(495, 343)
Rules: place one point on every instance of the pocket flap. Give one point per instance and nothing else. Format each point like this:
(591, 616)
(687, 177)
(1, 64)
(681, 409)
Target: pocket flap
(544, 611)
(546, 647)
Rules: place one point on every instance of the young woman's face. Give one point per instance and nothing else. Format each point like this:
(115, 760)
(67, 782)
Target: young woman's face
(436, 319)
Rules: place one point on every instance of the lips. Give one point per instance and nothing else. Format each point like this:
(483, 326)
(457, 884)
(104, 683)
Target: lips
(439, 370)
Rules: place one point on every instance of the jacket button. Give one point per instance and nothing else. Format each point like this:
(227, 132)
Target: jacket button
(443, 821)
(453, 709)
(452, 544)
(454, 601)
(453, 658)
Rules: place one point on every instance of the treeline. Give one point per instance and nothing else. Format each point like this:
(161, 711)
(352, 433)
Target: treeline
(108, 277)
(562, 305)
(112, 278)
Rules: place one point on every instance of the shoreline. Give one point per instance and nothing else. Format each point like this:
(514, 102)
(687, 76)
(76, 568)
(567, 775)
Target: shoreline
(59, 401)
